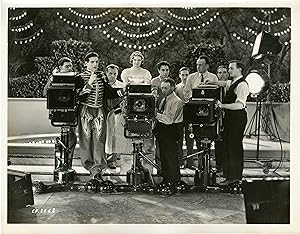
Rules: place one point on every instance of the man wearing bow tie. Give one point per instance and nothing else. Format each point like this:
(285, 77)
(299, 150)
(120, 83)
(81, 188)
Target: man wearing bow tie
(169, 115)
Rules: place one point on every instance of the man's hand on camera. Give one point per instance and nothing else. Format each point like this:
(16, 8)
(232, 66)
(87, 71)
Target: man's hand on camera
(219, 104)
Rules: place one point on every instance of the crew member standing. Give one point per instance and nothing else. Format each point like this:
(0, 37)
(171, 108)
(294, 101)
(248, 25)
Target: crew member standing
(223, 75)
(65, 65)
(194, 81)
(235, 120)
(170, 114)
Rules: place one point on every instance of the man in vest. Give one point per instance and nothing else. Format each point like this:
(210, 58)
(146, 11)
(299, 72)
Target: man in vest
(235, 120)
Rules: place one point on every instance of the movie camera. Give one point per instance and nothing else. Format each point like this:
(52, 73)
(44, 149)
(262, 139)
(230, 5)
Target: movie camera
(204, 120)
(140, 112)
(139, 124)
(201, 113)
(62, 105)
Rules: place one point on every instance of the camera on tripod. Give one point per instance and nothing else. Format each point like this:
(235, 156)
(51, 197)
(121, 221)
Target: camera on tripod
(201, 113)
(62, 105)
(62, 100)
(140, 112)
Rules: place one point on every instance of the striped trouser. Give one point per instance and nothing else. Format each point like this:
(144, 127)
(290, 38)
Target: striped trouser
(92, 134)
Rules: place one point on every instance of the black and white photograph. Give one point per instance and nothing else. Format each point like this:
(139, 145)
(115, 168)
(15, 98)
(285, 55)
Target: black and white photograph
(167, 117)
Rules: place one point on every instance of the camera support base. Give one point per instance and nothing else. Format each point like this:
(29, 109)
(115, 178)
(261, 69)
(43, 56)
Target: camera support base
(63, 174)
(139, 175)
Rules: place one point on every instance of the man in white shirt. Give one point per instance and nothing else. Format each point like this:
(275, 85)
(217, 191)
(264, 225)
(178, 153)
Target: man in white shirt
(234, 104)
(196, 80)
(183, 75)
(170, 114)
(199, 78)
(111, 72)
(223, 75)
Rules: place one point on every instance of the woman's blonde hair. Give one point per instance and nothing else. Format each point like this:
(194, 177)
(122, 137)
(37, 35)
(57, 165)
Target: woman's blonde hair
(136, 53)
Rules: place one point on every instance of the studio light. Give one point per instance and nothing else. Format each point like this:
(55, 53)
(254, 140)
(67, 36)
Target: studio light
(258, 81)
(266, 44)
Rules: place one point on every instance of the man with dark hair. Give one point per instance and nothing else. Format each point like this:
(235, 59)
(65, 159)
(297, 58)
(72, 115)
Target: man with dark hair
(169, 115)
(196, 80)
(223, 75)
(64, 65)
(163, 68)
(94, 91)
(201, 77)
(234, 104)
(111, 72)
(183, 130)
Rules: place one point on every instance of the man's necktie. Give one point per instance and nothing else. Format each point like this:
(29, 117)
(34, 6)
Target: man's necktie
(202, 78)
(162, 107)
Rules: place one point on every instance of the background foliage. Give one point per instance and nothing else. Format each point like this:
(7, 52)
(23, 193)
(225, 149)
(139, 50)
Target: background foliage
(30, 64)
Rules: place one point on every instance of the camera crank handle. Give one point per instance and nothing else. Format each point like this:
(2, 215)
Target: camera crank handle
(63, 145)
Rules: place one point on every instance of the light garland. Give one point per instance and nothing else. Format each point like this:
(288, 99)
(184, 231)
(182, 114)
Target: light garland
(137, 24)
(77, 25)
(22, 28)
(187, 18)
(86, 16)
(141, 35)
(138, 14)
(133, 46)
(287, 43)
(251, 30)
(204, 24)
(29, 39)
(19, 16)
(12, 8)
(271, 22)
(188, 8)
(283, 32)
(246, 42)
(269, 12)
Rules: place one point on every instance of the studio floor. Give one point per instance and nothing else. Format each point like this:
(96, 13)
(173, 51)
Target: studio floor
(134, 208)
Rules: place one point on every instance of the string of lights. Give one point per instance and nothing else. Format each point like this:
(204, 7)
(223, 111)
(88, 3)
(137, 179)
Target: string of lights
(24, 13)
(23, 27)
(29, 39)
(86, 16)
(12, 8)
(192, 27)
(239, 38)
(136, 24)
(134, 46)
(269, 11)
(138, 14)
(273, 22)
(187, 18)
(251, 30)
(135, 35)
(287, 42)
(188, 8)
(77, 25)
(283, 32)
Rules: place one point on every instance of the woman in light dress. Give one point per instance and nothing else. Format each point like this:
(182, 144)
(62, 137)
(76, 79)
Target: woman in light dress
(135, 75)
